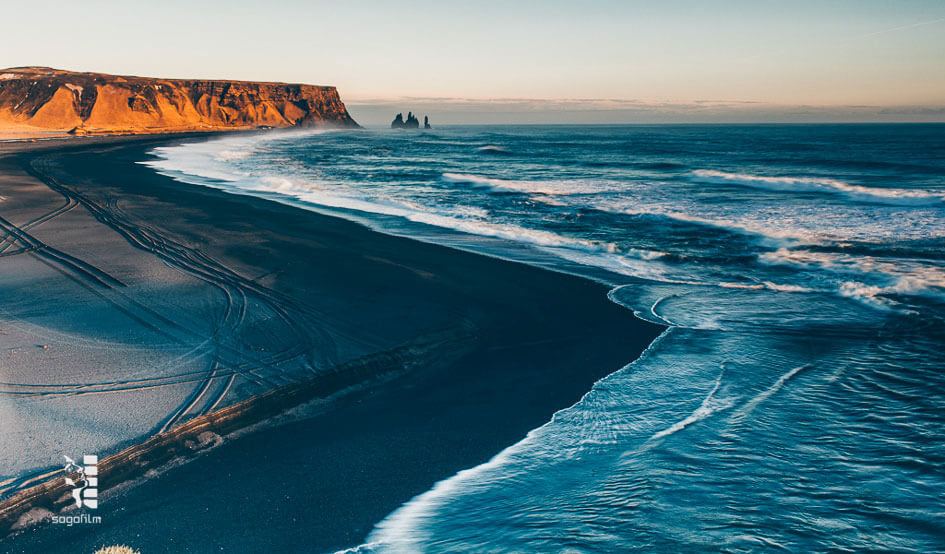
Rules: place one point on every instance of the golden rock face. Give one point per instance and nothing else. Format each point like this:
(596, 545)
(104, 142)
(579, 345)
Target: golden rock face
(45, 99)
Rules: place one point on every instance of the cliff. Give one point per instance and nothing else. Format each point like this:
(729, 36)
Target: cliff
(41, 99)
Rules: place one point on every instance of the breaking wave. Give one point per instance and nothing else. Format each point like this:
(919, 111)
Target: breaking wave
(493, 149)
(548, 188)
(833, 186)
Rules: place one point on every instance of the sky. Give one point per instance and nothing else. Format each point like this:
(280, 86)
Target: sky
(549, 61)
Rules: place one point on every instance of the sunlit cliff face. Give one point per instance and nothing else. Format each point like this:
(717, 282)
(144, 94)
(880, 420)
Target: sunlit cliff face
(55, 100)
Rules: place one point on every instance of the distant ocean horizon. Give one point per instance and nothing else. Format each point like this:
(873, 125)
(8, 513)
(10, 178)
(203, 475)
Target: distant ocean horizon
(794, 400)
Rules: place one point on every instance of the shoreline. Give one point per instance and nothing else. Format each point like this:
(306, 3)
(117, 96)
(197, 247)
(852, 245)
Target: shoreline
(559, 320)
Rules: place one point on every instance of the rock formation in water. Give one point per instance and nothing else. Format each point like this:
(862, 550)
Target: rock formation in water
(426, 122)
(44, 99)
(410, 123)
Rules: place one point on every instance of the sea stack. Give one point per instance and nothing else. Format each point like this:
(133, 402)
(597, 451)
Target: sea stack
(426, 122)
(410, 123)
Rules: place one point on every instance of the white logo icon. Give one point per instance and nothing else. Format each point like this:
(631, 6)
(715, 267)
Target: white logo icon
(85, 488)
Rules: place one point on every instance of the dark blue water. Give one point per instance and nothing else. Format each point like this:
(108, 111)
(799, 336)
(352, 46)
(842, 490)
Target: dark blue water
(797, 399)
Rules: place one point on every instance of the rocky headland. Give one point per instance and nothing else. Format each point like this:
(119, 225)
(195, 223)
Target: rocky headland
(40, 100)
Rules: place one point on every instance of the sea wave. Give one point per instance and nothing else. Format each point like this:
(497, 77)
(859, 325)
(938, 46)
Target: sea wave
(750, 406)
(902, 197)
(221, 163)
(635, 262)
(900, 276)
(493, 149)
(548, 188)
(710, 405)
(466, 219)
(787, 225)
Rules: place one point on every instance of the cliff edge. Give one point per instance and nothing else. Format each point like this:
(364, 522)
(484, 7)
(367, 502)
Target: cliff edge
(45, 100)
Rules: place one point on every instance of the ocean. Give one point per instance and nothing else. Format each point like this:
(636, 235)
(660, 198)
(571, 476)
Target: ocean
(796, 399)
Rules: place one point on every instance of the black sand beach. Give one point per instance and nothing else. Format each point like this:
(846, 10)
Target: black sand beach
(534, 342)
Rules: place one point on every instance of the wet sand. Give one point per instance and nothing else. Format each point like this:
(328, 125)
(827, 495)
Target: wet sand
(242, 295)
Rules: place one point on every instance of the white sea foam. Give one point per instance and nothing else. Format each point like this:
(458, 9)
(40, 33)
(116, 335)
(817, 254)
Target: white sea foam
(813, 184)
(231, 155)
(902, 276)
(861, 291)
(781, 287)
(710, 405)
(493, 149)
(213, 159)
(750, 406)
(741, 286)
(777, 287)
